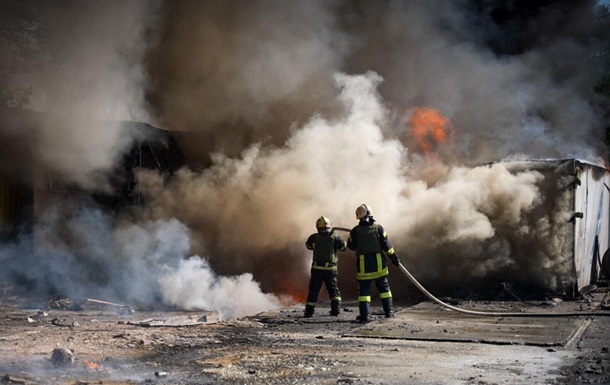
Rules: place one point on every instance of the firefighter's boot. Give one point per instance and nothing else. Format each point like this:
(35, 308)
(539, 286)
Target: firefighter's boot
(364, 308)
(388, 307)
(335, 307)
(309, 311)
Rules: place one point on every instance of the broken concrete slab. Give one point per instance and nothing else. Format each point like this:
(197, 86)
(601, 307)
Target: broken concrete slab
(181, 320)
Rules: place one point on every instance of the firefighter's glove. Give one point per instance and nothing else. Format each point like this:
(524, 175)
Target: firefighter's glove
(394, 259)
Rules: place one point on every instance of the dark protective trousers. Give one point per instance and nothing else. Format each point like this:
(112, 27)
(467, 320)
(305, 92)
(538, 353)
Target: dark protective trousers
(364, 295)
(329, 278)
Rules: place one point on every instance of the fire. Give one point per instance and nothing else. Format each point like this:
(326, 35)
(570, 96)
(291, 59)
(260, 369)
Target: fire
(429, 127)
(298, 296)
(91, 364)
(293, 290)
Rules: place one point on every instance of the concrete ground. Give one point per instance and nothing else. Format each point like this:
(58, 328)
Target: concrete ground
(423, 344)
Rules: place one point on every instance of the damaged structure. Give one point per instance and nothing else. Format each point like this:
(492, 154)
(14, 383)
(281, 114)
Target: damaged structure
(28, 188)
(578, 206)
(34, 196)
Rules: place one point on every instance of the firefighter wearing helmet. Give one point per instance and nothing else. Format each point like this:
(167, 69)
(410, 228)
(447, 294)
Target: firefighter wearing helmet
(325, 245)
(371, 244)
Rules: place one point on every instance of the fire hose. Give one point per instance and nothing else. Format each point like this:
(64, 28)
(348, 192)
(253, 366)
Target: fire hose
(406, 272)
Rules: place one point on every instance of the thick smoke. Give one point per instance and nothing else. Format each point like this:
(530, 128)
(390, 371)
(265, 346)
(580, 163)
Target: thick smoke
(511, 88)
(460, 225)
(89, 79)
(216, 73)
(89, 255)
(252, 211)
(194, 285)
(539, 103)
(235, 73)
(295, 110)
(87, 76)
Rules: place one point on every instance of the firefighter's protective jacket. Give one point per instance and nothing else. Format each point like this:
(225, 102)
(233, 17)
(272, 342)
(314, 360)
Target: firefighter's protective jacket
(325, 246)
(370, 242)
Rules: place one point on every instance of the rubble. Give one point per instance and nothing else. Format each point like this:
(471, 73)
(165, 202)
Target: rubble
(185, 320)
(121, 309)
(605, 303)
(62, 358)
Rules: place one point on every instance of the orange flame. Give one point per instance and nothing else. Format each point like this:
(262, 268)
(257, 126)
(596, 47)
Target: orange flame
(297, 295)
(91, 364)
(294, 291)
(429, 127)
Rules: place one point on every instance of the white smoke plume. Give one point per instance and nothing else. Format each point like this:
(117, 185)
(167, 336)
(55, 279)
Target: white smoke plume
(193, 285)
(144, 264)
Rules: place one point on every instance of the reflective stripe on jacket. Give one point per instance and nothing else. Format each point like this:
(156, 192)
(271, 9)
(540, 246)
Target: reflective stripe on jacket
(370, 241)
(371, 266)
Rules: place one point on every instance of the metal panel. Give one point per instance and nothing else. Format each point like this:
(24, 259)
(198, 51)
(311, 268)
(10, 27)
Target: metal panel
(592, 199)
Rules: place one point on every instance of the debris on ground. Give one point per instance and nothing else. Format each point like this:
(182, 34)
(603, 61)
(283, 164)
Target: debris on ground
(62, 358)
(282, 347)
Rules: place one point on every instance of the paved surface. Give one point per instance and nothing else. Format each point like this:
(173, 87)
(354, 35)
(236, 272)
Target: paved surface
(430, 322)
(281, 347)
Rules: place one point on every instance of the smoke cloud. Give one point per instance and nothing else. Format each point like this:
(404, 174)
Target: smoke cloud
(466, 218)
(87, 77)
(235, 73)
(291, 111)
(144, 264)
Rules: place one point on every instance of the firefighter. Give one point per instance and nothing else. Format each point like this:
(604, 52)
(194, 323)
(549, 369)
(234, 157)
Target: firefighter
(372, 245)
(325, 245)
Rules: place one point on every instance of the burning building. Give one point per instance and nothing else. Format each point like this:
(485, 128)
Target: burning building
(286, 112)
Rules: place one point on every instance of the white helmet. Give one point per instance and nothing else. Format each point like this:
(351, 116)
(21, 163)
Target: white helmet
(363, 210)
(323, 222)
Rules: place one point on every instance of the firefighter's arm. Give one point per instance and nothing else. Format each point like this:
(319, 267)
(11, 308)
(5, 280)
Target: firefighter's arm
(310, 243)
(393, 257)
(351, 240)
(387, 247)
(340, 244)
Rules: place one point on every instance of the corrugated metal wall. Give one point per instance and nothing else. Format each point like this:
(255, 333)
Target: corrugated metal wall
(591, 236)
(578, 207)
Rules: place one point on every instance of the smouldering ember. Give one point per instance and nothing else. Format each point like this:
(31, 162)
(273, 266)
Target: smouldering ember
(298, 296)
(91, 365)
(295, 293)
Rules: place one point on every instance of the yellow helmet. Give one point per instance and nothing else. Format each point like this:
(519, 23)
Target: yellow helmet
(363, 211)
(323, 222)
